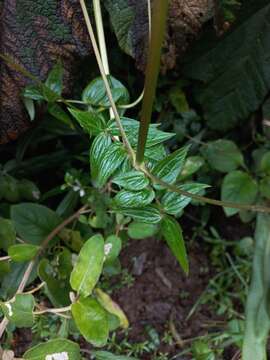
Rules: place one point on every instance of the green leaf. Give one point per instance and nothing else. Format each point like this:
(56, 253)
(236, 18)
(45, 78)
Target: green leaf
(112, 248)
(191, 166)
(9, 188)
(131, 180)
(95, 93)
(238, 187)
(91, 320)
(56, 111)
(34, 222)
(109, 162)
(55, 79)
(90, 121)
(169, 168)
(22, 252)
(137, 230)
(19, 311)
(30, 107)
(131, 128)
(54, 350)
(148, 214)
(56, 289)
(265, 163)
(7, 234)
(178, 99)
(234, 74)
(97, 152)
(223, 155)
(155, 153)
(28, 190)
(105, 355)
(88, 268)
(33, 92)
(265, 187)
(112, 307)
(134, 199)
(173, 203)
(172, 233)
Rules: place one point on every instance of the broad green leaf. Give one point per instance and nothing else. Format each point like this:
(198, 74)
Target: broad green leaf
(9, 188)
(105, 355)
(56, 111)
(19, 311)
(223, 155)
(265, 187)
(173, 203)
(173, 235)
(134, 199)
(233, 73)
(55, 79)
(56, 289)
(155, 153)
(88, 268)
(132, 180)
(238, 187)
(148, 214)
(7, 234)
(90, 121)
(57, 349)
(265, 163)
(22, 252)
(191, 166)
(112, 307)
(112, 248)
(170, 167)
(112, 268)
(131, 128)
(91, 320)
(111, 160)
(34, 222)
(97, 152)
(95, 93)
(137, 230)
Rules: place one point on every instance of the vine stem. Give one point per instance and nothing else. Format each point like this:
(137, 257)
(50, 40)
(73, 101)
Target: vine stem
(152, 71)
(43, 246)
(106, 83)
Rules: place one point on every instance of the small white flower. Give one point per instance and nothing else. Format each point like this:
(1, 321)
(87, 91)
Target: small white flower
(82, 192)
(107, 249)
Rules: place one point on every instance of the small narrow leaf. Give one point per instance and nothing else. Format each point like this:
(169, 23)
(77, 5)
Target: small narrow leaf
(132, 180)
(90, 121)
(19, 311)
(92, 321)
(112, 307)
(134, 199)
(22, 252)
(55, 79)
(88, 268)
(172, 233)
(148, 214)
(58, 349)
(173, 203)
(169, 168)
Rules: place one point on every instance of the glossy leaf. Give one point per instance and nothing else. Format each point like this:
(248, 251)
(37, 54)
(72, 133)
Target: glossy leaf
(132, 180)
(148, 214)
(22, 252)
(88, 268)
(56, 111)
(112, 307)
(19, 311)
(28, 190)
(223, 155)
(239, 187)
(137, 230)
(91, 320)
(33, 92)
(173, 203)
(90, 121)
(105, 355)
(95, 93)
(55, 79)
(34, 222)
(170, 167)
(112, 248)
(172, 233)
(53, 350)
(134, 199)
(7, 234)
(191, 166)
